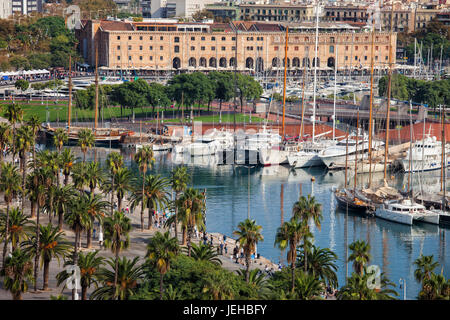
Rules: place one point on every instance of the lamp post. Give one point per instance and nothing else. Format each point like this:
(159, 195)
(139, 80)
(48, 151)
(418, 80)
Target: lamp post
(403, 283)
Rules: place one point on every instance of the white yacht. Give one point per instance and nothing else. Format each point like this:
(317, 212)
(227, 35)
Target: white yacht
(334, 156)
(425, 155)
(249, 147)
(307, 154)
(213, 142)
(406, 211)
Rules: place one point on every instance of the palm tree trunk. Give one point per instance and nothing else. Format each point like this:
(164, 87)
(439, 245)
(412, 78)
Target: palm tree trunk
(305, 254)
(150, 218)
(89, 237)
(46, 270)
(116, 275)
(247, 269)
(83, 292)
(161, 288)
(17, 295)
(176, 216)
(293, 275)
(66, 179)
(33, 209)
(112, 195)
(60, 219)
(142, 208)
(84, 156)
(24, 173)
(36, 258)
(189, 241)
(75, 255)
(5, 245)
(184, 236)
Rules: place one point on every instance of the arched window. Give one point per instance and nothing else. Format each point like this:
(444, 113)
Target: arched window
(213, 62)
(330, 62)
(275, 62)
(202, 62)
(176, 63)
(249, 63)
(192, 62)
(223, 62)
(259, 64)
(296, 62)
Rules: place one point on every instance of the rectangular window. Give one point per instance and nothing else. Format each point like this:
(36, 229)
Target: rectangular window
(192, 38)
(129, 47)
(223, 38)
(118, 47)
(202, 48)
(129, 37)
(203, 38)
(233, 48)
(140, 47)
(161, 58)
(151, 48)
(129, 58)
(118, 37)
(177, 39)
(365, 58)
(346, 58)
(140, 38)
(275, 48)
(118, 57)
(192, 48)
(331, 49)
(213, 38)
(161, 38)
(213, 48)
(151, 38)
(151, 58)
(161, 48)
(223, 48)
(140, 58)
(233, 38)
(177, 48)
(295, 48)
(356, 58)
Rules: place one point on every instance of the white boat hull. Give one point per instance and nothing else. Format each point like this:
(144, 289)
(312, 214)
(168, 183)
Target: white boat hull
(304, 160)
(269, 157)
(404, 218)
(419, 165)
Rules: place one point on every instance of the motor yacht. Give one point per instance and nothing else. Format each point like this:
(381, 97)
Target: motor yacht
(406, 211)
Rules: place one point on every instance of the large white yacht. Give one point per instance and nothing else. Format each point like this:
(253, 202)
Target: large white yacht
(307, 154)
(406, 211)
(425, 155)
(249, 147)
(334, 156)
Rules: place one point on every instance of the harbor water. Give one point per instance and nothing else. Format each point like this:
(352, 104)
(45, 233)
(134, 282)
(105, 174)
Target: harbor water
(267, 194)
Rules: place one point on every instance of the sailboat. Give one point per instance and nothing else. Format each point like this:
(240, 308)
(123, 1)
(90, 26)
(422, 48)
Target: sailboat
(111, 136)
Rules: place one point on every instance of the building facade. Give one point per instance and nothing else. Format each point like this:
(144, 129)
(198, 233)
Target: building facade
(26, 6)
(5, 9)
(212, 46)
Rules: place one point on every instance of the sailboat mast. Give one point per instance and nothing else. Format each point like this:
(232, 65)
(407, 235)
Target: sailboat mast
(70, 94)
(284, 81)
(303, 104)
(96, 89)
(356, 151)
(443, 148)
(371, 101)
(410, 147)
(335, 88)
(443, 160)
(315, 72)
(388, 111)
(346, 160)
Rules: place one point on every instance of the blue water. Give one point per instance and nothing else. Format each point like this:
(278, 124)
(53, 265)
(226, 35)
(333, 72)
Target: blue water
(268, 194)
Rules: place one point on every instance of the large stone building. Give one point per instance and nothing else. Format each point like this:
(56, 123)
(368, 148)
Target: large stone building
(212, 46)
(5, 9)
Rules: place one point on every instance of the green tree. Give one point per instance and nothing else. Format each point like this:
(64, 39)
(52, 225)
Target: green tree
(248, 88)
(321, 264)
(249, 234)
(117, 228)
(289, 235)
(67, 160)
(123, 183)
(308, 287)
(123, 271)
(96, 210)
(5, 138)
(19, 227)
(360, 255)
(161, 250)
(52, 245)
(144, 159)
(179, 180)
(22, 85)
(205, 252)
(86, 140)
(60, 138)
(10, 185)
(17, 273)
(436, 287)
(23, 143)
(425, 266)
(114, 161)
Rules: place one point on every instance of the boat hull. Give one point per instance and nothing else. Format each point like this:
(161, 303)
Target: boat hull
(304, 160)
(403, 218)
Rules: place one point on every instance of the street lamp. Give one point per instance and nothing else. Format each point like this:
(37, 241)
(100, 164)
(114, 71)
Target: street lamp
(403, 283)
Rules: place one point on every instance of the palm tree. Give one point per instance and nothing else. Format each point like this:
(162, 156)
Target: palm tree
(425, 266)
(94, 175)
(249, 234)
(116, 229)
(123, 183)
(357, 289)
(52, 245)
(122, 270)
(436, 287)
(79, 176)
(19, 226)
(191, 206)
(61, 202)
(96, 210)
(89, 264)
(35, 124)
(321, 264)
(308, 287)
(78, 219)
(289, 234)
(161, 250)
(67, 160)
(218, 286)
(5, 138)
(60, 137)
(23, 142)
(155, 195)
(205, 252)
(144, 159)
(86, 140)
(114, 161)
(258, 281)
(360, 255)
(10, 182)
(14, 114)
(17, 273)
(307, 209)
(179, 180)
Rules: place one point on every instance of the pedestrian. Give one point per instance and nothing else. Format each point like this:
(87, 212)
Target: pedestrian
(221, 248)
(100, 239)
(280, 266)
(94, 233)
(211, 240)
(224, 238)
(226, 248)
(235, 253)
